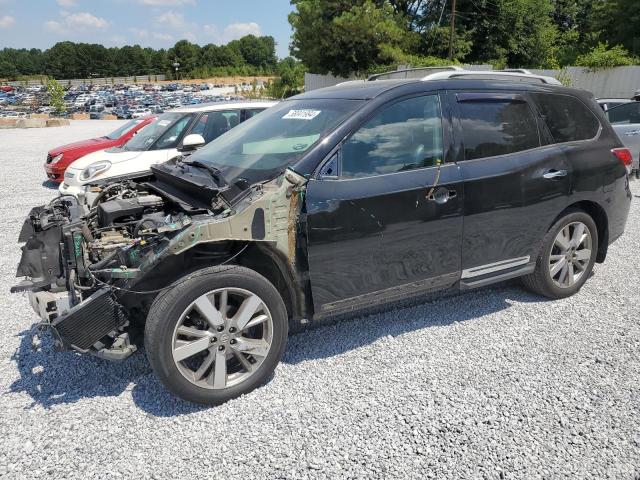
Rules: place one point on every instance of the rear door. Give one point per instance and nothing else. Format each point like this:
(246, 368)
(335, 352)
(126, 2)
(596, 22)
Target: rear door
(384, 216)
(625, 120)
(512, 185)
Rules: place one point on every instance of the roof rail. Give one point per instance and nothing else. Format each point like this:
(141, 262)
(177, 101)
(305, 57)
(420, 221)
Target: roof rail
(494, 75)
(515, 70)
(407, 71)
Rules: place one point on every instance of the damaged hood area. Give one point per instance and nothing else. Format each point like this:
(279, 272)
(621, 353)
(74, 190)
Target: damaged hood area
(106, 262)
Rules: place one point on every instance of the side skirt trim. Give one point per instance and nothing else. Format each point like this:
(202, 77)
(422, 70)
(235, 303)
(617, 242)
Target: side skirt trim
(499, 277)
(494, 267)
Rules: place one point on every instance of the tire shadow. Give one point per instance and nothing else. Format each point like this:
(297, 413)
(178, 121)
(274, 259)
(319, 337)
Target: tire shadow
(51, 185)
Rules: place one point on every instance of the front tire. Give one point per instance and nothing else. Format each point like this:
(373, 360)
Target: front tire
(216, 334)
(567, 256)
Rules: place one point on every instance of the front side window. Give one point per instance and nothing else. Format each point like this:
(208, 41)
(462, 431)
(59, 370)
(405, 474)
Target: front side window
(626, 114)
(567, 118)
(126, 128)
(167, 126)
(404, 136)
(497, 127)
(171, 137)
(213, 124)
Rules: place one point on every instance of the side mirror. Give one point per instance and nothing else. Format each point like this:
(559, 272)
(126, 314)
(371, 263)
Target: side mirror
(193, 141)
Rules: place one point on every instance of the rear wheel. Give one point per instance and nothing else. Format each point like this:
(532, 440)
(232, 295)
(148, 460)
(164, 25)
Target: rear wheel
(567, 257)
(217, 334)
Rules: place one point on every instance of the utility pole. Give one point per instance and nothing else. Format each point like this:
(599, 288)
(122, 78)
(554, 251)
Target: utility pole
(453, 28)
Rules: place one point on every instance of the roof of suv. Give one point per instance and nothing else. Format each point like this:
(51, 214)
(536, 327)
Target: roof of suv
(365, 90)
(213, 106)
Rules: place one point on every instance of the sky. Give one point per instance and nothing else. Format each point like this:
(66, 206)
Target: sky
(150, 23)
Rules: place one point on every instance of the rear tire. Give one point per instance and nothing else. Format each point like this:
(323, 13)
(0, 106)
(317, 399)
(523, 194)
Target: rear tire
(216, 334)
(567, 256)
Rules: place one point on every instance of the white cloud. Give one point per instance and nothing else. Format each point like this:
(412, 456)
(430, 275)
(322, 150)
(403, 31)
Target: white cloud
(145, 34)
(85, 20)
(76, 21)
(163, 3)
(234, 31)
(67, 3)
(211, 30)
(118, 39)
(162, 36)
(173, 20)
(7, 21)
(54, 26)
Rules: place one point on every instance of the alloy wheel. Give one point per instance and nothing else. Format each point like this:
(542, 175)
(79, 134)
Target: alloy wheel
(570, 254)
(222, 338)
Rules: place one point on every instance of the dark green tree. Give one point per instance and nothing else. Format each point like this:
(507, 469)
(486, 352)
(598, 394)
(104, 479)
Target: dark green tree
(343, 37)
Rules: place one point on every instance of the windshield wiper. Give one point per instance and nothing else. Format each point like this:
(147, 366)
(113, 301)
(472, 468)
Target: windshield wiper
(216, 174)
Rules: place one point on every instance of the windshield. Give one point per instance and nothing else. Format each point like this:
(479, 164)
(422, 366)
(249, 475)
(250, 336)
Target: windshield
(126, 128)
(162, 133)
(261, 147)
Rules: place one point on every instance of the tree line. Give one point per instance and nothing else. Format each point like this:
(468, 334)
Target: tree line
(250, 55)
(364, 36)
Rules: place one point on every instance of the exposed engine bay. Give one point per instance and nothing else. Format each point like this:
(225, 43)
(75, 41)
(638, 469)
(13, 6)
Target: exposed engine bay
(90, 275)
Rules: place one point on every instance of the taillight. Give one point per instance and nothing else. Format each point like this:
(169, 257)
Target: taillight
(625, 157)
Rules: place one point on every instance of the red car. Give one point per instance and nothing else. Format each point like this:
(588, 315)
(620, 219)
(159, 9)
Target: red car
(59, 158)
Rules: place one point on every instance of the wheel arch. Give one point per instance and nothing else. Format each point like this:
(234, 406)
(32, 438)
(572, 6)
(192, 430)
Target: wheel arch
(258, 256)
(599, 216)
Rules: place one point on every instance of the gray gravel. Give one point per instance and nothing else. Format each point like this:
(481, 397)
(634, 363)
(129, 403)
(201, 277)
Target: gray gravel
(496, 383)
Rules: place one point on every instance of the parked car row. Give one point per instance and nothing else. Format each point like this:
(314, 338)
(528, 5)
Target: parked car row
(340, 199)
(124, 101)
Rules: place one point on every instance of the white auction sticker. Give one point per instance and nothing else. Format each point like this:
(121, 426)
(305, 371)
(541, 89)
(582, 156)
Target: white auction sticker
(164, 123)
(302, 114)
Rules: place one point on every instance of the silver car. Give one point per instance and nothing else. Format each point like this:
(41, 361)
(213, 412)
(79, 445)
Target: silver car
(625, 119)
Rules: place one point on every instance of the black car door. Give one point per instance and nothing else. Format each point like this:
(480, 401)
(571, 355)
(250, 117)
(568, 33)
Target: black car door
(513, 186)
(384, 214)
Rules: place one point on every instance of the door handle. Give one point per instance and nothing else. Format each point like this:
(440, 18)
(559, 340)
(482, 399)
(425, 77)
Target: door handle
(441, 195)
(632, 133)
(553, 173)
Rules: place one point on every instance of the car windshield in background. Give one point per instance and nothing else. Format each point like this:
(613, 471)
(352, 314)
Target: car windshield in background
(123, 129)
(267, 143)
(162, 133)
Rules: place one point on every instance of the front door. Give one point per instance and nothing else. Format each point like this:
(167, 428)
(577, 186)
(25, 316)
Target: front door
(384, 222)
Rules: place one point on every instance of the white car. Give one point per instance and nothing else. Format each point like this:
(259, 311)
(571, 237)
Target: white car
(172, 132)
(141, 113)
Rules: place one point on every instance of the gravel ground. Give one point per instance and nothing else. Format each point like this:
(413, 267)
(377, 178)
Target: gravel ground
(496, 383)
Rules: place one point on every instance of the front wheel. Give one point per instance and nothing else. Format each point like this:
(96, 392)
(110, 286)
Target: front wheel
(217, 334)
(567, 257)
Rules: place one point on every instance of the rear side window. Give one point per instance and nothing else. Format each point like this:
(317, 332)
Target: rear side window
(567, 118)
(626, 114)
(497, 127)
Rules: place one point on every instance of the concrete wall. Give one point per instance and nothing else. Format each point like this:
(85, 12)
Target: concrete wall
(98, 81)
(620, 82)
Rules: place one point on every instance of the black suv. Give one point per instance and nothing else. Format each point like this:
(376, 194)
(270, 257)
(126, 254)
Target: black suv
(342, 198)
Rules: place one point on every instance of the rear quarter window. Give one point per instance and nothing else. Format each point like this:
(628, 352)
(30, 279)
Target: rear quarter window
(566, 117)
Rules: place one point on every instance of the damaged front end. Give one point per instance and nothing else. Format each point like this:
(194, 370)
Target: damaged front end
(91, 277)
